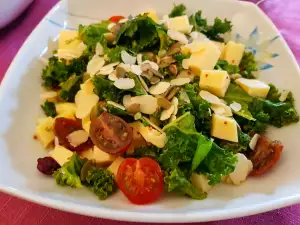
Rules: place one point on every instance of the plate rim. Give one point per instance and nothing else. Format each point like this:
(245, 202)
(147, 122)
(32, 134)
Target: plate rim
(123, 215)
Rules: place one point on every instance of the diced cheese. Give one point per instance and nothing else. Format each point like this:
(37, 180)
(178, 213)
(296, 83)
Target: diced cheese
(153, 136)
(205, 59)
(68, 39)
(195, 46)
(137, 138)
(179, 23)
(45, 131)
(224, 128)
(88, 86)
(215, 81)
(221, 47)
(233, 53)
(201, 182)
(84, 103)
(66, 110)
(115, 165)
(152, 14)
(242, 168)
(98, 156)
(86, 123)
(255, 88)
(61, 154)
(50, 96)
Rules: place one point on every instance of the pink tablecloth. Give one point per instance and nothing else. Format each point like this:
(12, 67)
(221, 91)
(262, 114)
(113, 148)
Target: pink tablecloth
(284, 13)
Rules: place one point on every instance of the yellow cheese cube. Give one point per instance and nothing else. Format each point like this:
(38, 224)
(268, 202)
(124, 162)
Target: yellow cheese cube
(233, 53)
(206, 59)
(86, 123)
(195, 46)
(66, 110)
(45, 131)
(215, 81)
(224, 128)
(255, 88)
(115, 165)
(152, 14)
(88, 86)
(68, 39)
(100, 157)
(61, 154)
(180, 24)
(221, 47)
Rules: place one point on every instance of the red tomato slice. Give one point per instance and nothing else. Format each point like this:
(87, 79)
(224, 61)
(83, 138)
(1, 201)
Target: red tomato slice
(111, 133)
(116, 19)
(141, 180)
(63, 127)
(266, 155)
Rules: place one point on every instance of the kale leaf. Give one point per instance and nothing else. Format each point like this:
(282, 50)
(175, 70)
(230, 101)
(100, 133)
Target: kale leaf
(248, 65)
(224, 65)
(49, 109)
(105, 89)
(178, 10)
(241, 146)
(69, 88)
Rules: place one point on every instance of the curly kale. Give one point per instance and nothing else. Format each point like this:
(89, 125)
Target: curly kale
(248, 65)
(274, 95)
(224, 65)
(250, 126)
(106, 89)
(101, 182)
(69, 88)
(214, 31)
(176, 181)
(49, 109)
(146, 151)
(69, 173)
(59, 71)
(241, 146)
(178, 10)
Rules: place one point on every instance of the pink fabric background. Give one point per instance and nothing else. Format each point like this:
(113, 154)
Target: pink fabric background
(284, 13)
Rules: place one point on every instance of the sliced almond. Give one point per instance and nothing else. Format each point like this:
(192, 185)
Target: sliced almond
(84, 103)
(207, 96)
(156, 73)
(124, 83)
(172, 118)
(163, 103)
(127, 58)
(123, 20)
(139, 59)
(120, 72)
(113, 76)
(235, 76)
(175, 102)
(127, 101)
(99, 49)
(143, 83)
(252, 143)
(154, 80)
(152, 64)
(110, 37)
(180, 81)
(185, 64)
(153, 136)
(95, 65)
(197, 36)
(235, 106)
(152, 124)
(159, 88)
(134, 108)
(136, 69)
(166, 114)
(284, 95)
(177, 36)
(106, 71)
(148, 104)
(221, 109)
(78, 137)
(126, 67)
(145, 67)
(88, 86)
(117, 105)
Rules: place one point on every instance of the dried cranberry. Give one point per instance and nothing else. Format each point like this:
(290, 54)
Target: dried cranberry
(47, 165)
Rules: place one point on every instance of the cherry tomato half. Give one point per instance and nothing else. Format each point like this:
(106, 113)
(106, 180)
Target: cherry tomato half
(116, 19)
(141, 180)
(63, 127)
(265, 155)
(111, 133)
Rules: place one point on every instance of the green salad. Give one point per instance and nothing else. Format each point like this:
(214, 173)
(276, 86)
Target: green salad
(146, 105)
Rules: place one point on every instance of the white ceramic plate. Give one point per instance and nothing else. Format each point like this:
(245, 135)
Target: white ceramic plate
(19, 99)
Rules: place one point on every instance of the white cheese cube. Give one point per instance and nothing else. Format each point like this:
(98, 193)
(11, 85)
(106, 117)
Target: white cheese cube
(233, 53)
(98, 156)
(214, 81)
(68, 39)
(224, 128)
(205, 59)
(242, 168)
(255, 88)
(221, 47)
(45, 131)
(179, 23)
(115, 165)
(201, 182)
(66, 110)
(61, 154)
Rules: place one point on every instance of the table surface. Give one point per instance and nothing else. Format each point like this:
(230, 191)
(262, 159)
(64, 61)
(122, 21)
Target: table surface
(284, 13)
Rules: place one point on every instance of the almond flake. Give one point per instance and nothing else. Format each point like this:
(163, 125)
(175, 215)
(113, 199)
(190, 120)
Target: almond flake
(207, 96)
(78, 137)
(123, 20)
(159, 88)
(113, 76)
(99, 49)
(252, 143)
(95, 65)
(136, 69)
(127, 58)
(117, 105)
(284, 95)
(172, 118)
(148, 104)
(197, 36)
(166, 114)
(110, 26)
(175, 102)
(185, 64)
(177, 36)
(106, 71)
(235, 106)
(139, 59)
(180, 81)
(152, 64)
(124, 83)
(127, 101)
